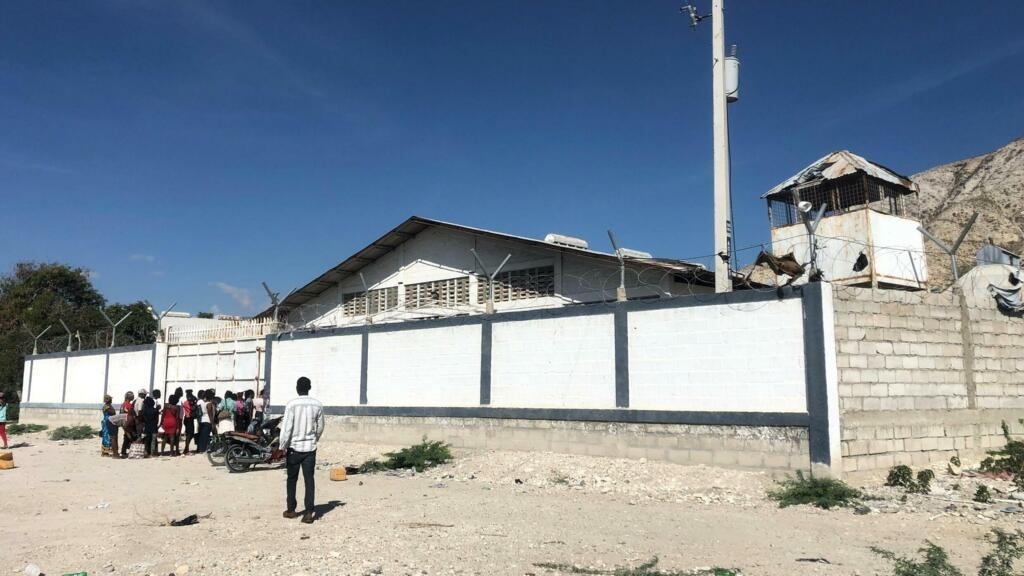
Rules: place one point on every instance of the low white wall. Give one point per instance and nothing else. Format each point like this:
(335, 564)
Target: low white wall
(425, 367)
(554, 363)
(332, 364)
(727, 357)
(127, 372)
(46, 380)
(87, 375)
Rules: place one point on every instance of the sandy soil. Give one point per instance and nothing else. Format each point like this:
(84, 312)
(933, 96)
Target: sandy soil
(67, 509)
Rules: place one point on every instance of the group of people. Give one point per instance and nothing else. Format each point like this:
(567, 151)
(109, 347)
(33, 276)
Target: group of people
(158, 425)
(144, 419)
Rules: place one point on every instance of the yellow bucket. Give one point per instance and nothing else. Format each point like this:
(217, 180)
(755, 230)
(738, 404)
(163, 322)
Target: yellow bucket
(338, 474)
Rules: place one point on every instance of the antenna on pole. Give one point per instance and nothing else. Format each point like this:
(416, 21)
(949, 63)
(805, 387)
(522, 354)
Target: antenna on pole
(490, 278)
(695, 18)
(68, 330)
(274, 301)
(620, 292)
(35, 339)
(956, 245)
(113, 325)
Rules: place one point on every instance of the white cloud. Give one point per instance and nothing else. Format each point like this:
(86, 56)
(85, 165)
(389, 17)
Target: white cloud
(240, 295)
(143, 258)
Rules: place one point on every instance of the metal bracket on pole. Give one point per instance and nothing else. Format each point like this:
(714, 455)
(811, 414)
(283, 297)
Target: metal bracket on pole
(951, 251)
(811, 224)
(68, 330)
(274, 301)
(35, 339)
(620, 292)
(366, 299)
(113, 326)
(159, 317)
(490, 278)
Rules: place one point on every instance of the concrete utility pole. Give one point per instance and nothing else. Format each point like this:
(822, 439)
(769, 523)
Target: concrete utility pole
(720, 120)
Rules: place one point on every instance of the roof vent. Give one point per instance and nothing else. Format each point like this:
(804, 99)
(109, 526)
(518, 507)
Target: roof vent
(571, 242)
(638, 254)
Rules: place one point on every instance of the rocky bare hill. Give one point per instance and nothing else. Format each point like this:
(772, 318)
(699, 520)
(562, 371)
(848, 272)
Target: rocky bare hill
(991, 185)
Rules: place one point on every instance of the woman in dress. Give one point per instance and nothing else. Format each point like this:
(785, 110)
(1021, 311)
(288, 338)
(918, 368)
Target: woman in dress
(108, 430)
(170, 421)
(128, 409)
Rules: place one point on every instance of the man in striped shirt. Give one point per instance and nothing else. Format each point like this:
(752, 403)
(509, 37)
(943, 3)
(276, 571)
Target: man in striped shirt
(301, 428)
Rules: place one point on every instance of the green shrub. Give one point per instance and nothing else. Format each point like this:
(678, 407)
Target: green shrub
(935, 562)
(420, 456)
(900, 476)
(982, 494)
(1008, 459)
(924, 481)
(1007, 548)
(17, 428)
(74, 433)
(821, 492)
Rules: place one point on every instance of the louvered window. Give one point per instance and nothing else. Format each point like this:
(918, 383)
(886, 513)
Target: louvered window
(381, 300)
(451, 293)
(520, 284)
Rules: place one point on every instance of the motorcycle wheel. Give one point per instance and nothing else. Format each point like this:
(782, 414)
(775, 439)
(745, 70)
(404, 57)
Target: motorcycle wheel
(234, 454)
(217, 452)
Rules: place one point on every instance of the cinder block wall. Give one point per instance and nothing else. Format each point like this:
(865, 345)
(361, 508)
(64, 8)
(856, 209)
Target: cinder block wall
(923, 377)
(756, 447)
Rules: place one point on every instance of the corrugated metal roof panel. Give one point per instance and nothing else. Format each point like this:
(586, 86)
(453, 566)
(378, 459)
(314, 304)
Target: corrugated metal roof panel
(838, 164)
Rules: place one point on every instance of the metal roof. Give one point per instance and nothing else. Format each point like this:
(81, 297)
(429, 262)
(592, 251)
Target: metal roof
(837, 165)
(416, 224)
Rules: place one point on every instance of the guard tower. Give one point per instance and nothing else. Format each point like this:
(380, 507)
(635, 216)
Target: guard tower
(865, 236)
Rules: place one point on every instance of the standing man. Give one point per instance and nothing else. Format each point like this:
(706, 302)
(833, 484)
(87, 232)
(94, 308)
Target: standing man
(301, 428)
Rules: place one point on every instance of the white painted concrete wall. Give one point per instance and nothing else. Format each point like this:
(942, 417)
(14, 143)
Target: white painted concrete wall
(899, 250)
(733, 358)
(892, 244)
(331, 363)
(554, 363)
(85, 377)
(129, 370)
(425, 367)
(47, 380)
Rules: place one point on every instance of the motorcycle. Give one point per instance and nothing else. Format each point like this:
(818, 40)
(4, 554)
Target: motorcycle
(243, 451)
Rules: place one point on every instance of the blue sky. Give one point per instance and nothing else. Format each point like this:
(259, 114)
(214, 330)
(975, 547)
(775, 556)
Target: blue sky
(185, 151)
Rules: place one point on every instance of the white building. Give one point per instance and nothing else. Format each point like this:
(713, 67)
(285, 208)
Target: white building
(865, 237)
(426, 269)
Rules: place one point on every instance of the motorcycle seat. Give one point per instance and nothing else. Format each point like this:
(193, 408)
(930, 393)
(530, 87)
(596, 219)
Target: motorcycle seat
(244, 435)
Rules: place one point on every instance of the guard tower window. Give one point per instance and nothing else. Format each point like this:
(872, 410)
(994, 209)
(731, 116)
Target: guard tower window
(841, 195)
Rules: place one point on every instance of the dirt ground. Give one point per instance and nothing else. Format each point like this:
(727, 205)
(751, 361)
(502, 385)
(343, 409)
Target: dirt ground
(66, 509)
